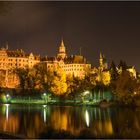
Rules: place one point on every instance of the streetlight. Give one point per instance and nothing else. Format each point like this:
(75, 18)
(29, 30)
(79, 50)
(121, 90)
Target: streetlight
(7, 97)
(86, 92)
(44, 96)
(135, 93)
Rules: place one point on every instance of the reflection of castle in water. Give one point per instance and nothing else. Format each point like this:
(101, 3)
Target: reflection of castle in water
(99, 123)
(73, 120)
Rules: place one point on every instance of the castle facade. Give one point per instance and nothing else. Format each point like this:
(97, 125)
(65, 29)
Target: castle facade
(75, 65)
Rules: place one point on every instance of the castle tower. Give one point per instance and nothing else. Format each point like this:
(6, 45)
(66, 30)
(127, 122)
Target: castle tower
(101, 59)
(62, 51)
(102, 62)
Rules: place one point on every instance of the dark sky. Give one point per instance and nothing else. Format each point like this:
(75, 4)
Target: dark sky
(110, 27)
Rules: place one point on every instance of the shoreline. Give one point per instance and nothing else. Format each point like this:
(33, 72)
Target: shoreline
(9, 135)
(111, 104)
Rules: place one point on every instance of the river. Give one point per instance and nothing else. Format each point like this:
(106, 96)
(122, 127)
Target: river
(41, 121)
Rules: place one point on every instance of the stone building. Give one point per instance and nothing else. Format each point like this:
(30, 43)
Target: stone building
(10, 60)
(75, 65)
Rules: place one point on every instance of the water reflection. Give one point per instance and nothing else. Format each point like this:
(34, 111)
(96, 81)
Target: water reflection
(87, 118)
(94, 122)
(44, 114)
(7, 110)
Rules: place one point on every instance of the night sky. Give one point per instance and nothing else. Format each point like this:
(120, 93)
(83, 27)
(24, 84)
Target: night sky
(110, 27)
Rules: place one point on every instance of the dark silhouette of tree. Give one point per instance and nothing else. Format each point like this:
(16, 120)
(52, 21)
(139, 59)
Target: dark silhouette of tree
(122, 65)
(113, 71)
(22, 74)
(125, 87)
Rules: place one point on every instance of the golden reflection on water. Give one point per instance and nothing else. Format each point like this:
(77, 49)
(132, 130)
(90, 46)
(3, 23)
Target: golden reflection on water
(65, 120)
(31, 122)
(8, 124)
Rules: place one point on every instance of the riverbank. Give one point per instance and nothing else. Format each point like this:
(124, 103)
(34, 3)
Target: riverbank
(66, 103)
(8, 135)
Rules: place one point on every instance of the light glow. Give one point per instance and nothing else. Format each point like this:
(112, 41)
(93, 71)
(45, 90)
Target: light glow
(44, 113)
(86, 92)
(7, 110)
(87, 118)
(44, 105)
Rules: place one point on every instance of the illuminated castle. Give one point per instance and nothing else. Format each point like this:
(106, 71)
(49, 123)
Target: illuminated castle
(9, 61)
(75, 65)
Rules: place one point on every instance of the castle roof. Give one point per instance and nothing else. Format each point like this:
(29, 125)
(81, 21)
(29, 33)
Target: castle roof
(16, 53)
(75, 59)
(68, 60)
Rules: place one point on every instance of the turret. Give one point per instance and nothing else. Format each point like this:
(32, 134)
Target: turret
(62, 51)
(102, 62)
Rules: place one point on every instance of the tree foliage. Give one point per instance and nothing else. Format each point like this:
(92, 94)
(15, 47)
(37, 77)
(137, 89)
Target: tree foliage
(125, 87)
(113, 71)
(58, 84)
(32, 79)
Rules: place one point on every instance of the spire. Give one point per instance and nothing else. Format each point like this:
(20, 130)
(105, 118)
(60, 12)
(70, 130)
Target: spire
(62, 43)
(101, 56)
(6, 45)
(62, 50)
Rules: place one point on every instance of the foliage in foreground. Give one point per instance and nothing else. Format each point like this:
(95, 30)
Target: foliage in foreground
(124, 86)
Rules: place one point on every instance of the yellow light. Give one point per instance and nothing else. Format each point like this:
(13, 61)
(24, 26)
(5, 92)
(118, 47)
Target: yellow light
(87, 118)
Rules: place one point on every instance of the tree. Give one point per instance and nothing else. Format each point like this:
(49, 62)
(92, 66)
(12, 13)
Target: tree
(103, 77)
(22, 74)
(122, 65)
(39, 77)
(58, 84)
(33, 79)
(70, 84)
(113, 71)
(106, 78)
(125, 87)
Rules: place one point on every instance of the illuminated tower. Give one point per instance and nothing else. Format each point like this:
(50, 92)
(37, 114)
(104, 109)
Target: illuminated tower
(102, 62)
(62, 51)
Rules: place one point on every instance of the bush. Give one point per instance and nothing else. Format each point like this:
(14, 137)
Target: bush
(3, 98)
